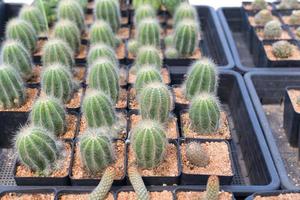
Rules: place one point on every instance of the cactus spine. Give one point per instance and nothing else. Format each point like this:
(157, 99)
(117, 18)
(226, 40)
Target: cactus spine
(196, 155)
(282, 49)
(148, 32)
(33, 15)
(143, 12)
(146, 75)
(259, 4)
(137, 183)
(212, 188)
(295, 17)
(185, 11)
(263, 17)
(154, 3)
(102, 50)
(148, 55)
(272, 29)
(101, 32)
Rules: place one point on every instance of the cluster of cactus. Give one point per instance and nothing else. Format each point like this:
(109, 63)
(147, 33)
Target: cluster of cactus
(101, 32)
(295, 17)
(272, 29)
(148, 55)
(34, 16)
(282, 49)
(137, 183)
(101, 50)
(146, 75)
(263, 17)
(196, 155)
(288, 4)
(259, 4)
(154, 3)
(142, 12)
(212, 188)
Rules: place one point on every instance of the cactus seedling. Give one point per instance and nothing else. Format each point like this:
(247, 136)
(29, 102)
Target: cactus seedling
(171, 53)
(212, 188)
(148, 55)
(142, 12)
(259, 4)
(295, 17)
(101, 32)
(133, 46)
(154, 3)
(33, 15)
(288, 4)
(185, 11)
(272, 29)
(102, 51)
(263, 17)
(196, 155)
(146, 75)
(282, 49)
(137, 183)
(148, 32)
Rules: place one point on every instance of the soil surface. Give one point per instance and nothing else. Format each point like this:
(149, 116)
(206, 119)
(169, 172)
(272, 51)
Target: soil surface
(82, 197)
(164, 195)
(22, 196)
(294, 95)
(287, 196)
(200, 195)
(295, 53)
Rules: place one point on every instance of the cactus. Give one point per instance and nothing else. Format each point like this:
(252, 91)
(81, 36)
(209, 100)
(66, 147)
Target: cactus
(56, 81)
(204, 113)
(148, 55)
(186, 37)
(282, 49)
(103, 75)
(196, 155)
(98, 109)
(101, 32)
(171, 5)
(108, 11)
(185, 11)
(67, 31)
(295, 17)
(202, 77)
(15, 54)
(148, 32)
(83, 4)
(288, 4)
(263, 17)
(298, 32)
(259, 4)
(48, 9)
(96, 150)
(57, 51)
(156, 102)
(169, 39)
(11, 86)
(72, 10)
(102, 51)
(154, 3)
(147, 74)
(49, 113)
(100, 192)
(212, 188)
(36, 148)
(137, 183)
(33, 15)
(272, 29)
(143, 12)
(171, 53)
(133, 46)
(22, 31)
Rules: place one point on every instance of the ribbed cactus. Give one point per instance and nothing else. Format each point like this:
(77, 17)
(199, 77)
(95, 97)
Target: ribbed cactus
(57, 51)
(171, 53)
(154, 3)
(11, 86)
(148, 32)
(133, 46)
(96, 150)
(49, 113)
(288, 4)
(56, 81)
(48, 9)
(147, 74)
(72, 10)
(22, 31)
(98, 109)
(142, 12)
(33, 15)
(155, 102)
(108, 11)
(212, 188)
(67, 31)
(102, 51)
(16, 55)
(148, 55)
(101, 191)
(101, 32)
(295, 17)
(202, 77)
(36, 148)
(272, 29)
(171, 5)
(196, 155)
(103, 75)
(263, 17)
(186, 38)
(169, 39)
(137, 183)
(185, 11)
(149, 143)
(282, 49)
(204, 113)
(259, 4)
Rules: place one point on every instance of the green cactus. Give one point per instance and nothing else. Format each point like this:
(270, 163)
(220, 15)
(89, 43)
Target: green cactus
(282, 49)
(168, 40)
(101, 191)
(171, 53)
(295, 17)
(12, 89)
(148, 32)
(108, 11)
(154, 3)
(133, 46)
(16, 55)
(36, 148)
(56, 81)
(83, 3)
(101, 32)
(196, 155)
(98, 109)
(48, 9)
(67, 31)
(263, 17)
(204, 113)
(57, 51)
(49, 113)
(22, 31)
(33, 15)
(142, 12)
(148, 55)
(137, 183)
(202, 77)
(101, 51)
(96, 150)
(147, 74)
(72, 10)
(103, 75)
(171, 5)
(155, 102)
(185, 11)
(259, 4)
(212, 188)
(288, 4)
(272, 29)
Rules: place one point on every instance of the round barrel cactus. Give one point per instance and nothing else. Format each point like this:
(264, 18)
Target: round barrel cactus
(154, 3)
(282, 49)
(171, 53)
(185, 11)
(142, 12)
(101, 50)
(272, 29)
(148, 55)
(263, 17)
(196, 155)
(101, 32)
(148, 32)
(34, 16)
(147, 74)
(295, 17)
(259, 4)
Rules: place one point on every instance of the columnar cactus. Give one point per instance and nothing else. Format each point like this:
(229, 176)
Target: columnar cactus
(137, 183)
(204, 113)
(263, 17)
(282, 49)
(11, 86)
(142, 12)
(100, 50)
(212, 188)
(171, 5)
(155, 102)
(196, 155)
(202, 77)
(101, 32)
(148, 32)
(259, 4)
(67, 31)
(72, 10)
(98, 109)
(57, 51)
(16, 55)
(295, 17)
(36, 148)
(56, 81)
(96, 150)
(154, 3)
(103, 75)
(288, 4)
(148, 55)
(146, 75)
(185, 11)
(49, 113)
(21, 30)
(108, 11)
(272, 29)
(33, 15)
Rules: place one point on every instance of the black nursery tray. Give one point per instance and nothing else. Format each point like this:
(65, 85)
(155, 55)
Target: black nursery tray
(272, 193)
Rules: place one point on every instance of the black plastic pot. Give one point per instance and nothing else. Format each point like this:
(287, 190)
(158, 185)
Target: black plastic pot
(192, 189)
(75, 190)
(28, 191)
(271, 193)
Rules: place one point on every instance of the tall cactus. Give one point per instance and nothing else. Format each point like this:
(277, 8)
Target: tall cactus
(154, 3)
(137, 183)
(212, 188)
(100, 50)
(101, 32)
(142, 12)
(148, 55)
(148, 32)
(196, 155)
(185, 11)
(34, 16)
(146, 75)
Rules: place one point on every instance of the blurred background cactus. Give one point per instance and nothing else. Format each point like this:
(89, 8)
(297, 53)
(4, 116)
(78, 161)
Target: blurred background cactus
(154, 3)
(295, 17)
(147, 74)
(185, 11)
(288, 4)
(142, 12)
(259, 4)
(101, 32)
(101, 50)
(263, 17)
(282, 49)
(272, 29)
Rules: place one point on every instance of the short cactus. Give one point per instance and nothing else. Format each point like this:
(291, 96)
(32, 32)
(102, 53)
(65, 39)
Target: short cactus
(143, 12)
(137, 183)
(16, 55)
(33, 15)
(156, 102)
(22, 31)
(154, 3)
(295, 17)
(108, 11)
(204, 113)
(148, 32)
(148, 55)
(171, 53)
(67, 31)
(272, 29)
(12, 89)
(149, 143)
(57, 51)
(36, 148)
(147, 74)
(133, 46)
(98, 109)
(171, 5)
(56, 81)
(259, 4)
(212, 188)
(196, 155)
(282, 49)
(185, 11)
(202, 77)
(288, 4)
(169, 39)
(102, 51)
(101, 32)
(49, 113)
(263, 17)
(96, 150)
